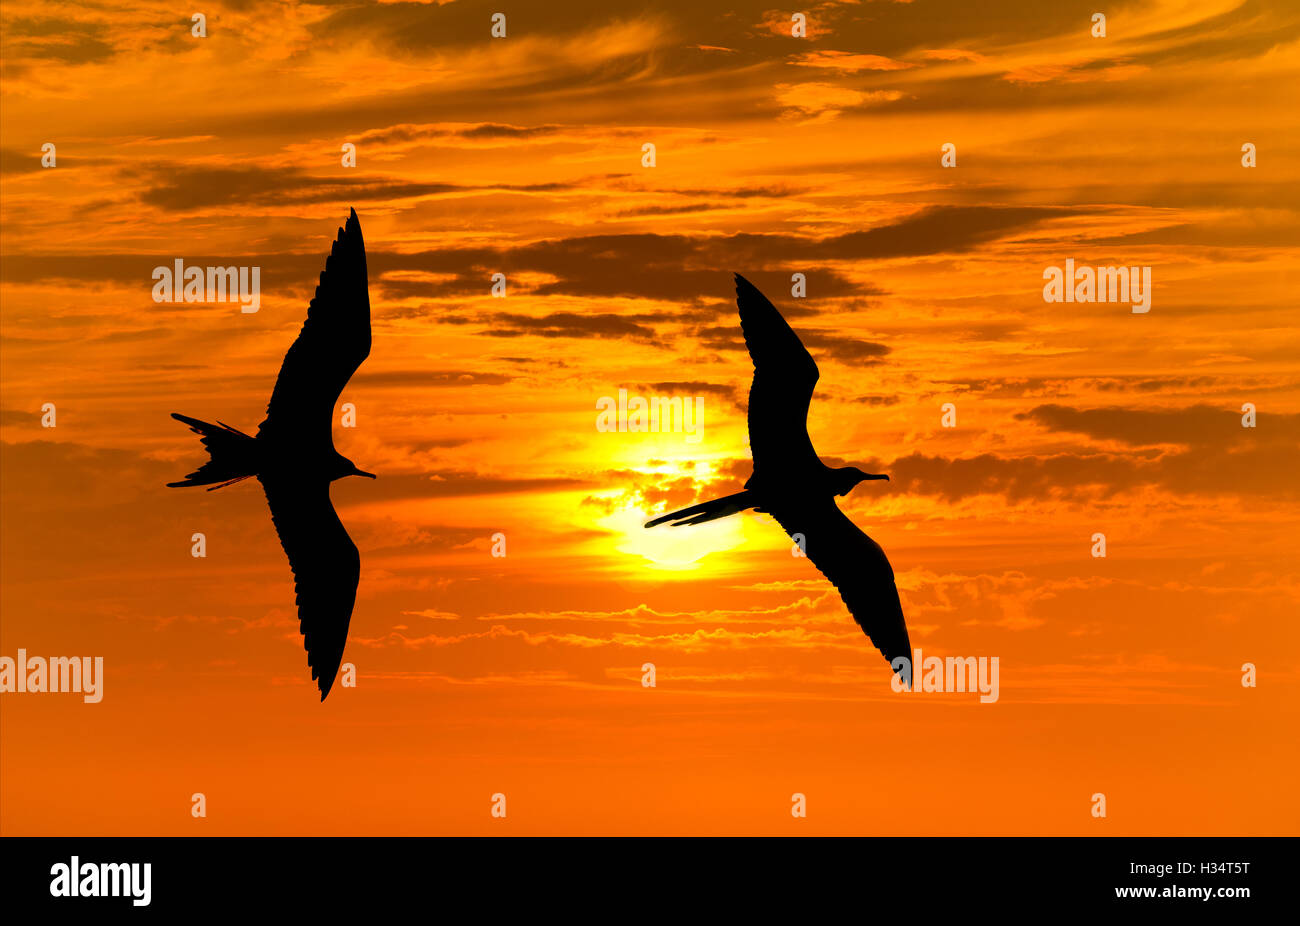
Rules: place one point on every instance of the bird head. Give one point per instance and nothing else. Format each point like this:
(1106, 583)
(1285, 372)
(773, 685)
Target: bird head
(846, 477)
(348, 468)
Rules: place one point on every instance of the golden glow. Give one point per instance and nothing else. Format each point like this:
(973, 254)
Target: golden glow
(775, 155)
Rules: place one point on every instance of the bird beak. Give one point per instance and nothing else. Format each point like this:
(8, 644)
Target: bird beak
(362, 472)
(884, 476)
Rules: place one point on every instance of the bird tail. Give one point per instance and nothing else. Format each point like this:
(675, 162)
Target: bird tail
(707, 511)
(232, 456)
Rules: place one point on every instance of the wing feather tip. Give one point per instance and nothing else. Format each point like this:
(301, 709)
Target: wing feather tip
(319, 677)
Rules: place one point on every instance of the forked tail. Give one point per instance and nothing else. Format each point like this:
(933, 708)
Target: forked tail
(707, 511)
(232, 455)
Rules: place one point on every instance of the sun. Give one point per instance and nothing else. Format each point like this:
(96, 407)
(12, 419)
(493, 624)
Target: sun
(673, 549)
(664, 459)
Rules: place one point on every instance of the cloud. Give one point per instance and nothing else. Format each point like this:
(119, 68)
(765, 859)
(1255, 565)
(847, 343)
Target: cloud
(687, 642)
(825, 603)
(848, 62)
(820, 342)
(692, 388)
(13, 161)
(448, 483)
(176, 188)
(407, 133)
(568, 325)
(781, 23)
(951, 54)
(824, 101)
(12, 417)
(41, 474)
(1256, 471)
(843, 348)
(674, 209)
(1073, 73)
(427, 378)
(1198, 425)
(65, 41)
(668, 267)
(650, 491)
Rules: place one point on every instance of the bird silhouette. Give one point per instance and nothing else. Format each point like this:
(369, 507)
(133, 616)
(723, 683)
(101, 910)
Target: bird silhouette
(293, 454)
(793, 485)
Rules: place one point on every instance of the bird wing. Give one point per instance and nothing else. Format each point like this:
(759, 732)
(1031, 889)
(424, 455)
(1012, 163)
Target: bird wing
(858, 568)
(333, 342)
(784, 378)
(325, 564)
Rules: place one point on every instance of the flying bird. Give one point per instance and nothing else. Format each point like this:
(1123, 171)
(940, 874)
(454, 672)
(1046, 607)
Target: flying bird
(793, 485)
(293, 453)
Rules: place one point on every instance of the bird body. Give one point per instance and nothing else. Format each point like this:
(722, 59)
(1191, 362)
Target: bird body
(293, 455)
(792, 484)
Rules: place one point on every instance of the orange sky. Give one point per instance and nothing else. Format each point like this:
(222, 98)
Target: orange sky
(775, 155)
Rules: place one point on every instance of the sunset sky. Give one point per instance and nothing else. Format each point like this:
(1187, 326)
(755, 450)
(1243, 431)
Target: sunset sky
(775, 155)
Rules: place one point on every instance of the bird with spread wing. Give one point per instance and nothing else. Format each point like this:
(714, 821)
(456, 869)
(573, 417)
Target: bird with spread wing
(293, 453)
(793, 485)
